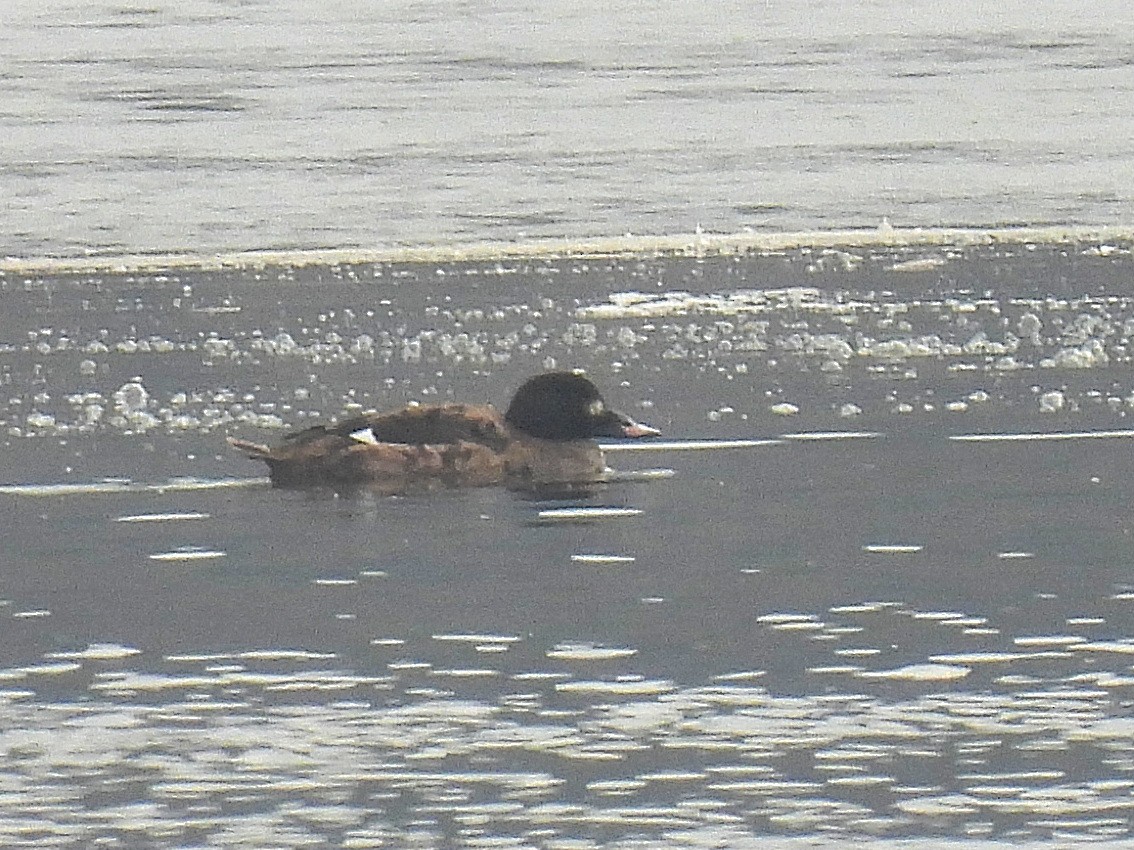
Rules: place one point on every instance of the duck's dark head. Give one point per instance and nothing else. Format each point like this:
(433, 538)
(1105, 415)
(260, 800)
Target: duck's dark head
(566, 406)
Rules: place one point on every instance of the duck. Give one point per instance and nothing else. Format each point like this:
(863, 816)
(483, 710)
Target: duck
(545, 438)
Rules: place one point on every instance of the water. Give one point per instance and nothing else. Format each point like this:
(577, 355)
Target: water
(874, 583)
(217, 126)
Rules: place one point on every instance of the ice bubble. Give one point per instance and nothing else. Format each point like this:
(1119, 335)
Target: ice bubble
(1029, 327)
(283, 343)
(411, 350)
(131, 397)
(1051, 402)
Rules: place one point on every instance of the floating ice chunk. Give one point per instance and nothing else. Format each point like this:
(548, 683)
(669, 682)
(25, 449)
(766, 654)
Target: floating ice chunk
(784, 408)
(217, 348)
(1051, 402)
(848, 410)
(1091, 353)
(40, 420)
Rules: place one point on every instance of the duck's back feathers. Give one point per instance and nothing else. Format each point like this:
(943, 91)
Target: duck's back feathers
(432, 424)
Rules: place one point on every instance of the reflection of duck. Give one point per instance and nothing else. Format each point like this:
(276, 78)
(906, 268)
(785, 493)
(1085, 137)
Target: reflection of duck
(546, 437)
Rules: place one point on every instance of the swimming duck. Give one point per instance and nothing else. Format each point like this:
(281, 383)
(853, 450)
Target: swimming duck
(546, 437)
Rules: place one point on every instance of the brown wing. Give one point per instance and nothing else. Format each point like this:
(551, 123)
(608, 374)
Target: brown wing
(433, 424)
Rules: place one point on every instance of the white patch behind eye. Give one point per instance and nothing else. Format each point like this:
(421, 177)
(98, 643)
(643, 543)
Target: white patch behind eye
(595, 408)
(364, 435)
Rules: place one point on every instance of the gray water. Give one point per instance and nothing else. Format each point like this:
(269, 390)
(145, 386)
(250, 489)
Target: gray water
(891, 600)
(218, 126)
(874, 586)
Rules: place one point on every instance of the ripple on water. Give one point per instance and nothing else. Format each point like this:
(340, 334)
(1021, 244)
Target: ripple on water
(188, 553)
(588, 652)
(97, 652)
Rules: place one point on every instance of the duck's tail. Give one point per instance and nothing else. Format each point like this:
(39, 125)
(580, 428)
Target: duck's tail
(256, 451)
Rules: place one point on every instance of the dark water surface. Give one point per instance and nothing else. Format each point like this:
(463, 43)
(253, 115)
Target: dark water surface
(897, 613)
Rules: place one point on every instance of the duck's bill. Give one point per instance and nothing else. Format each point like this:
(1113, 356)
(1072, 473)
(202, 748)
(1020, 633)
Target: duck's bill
(636, 430)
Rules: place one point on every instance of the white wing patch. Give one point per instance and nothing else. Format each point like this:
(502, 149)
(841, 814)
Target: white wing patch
(364, 435)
